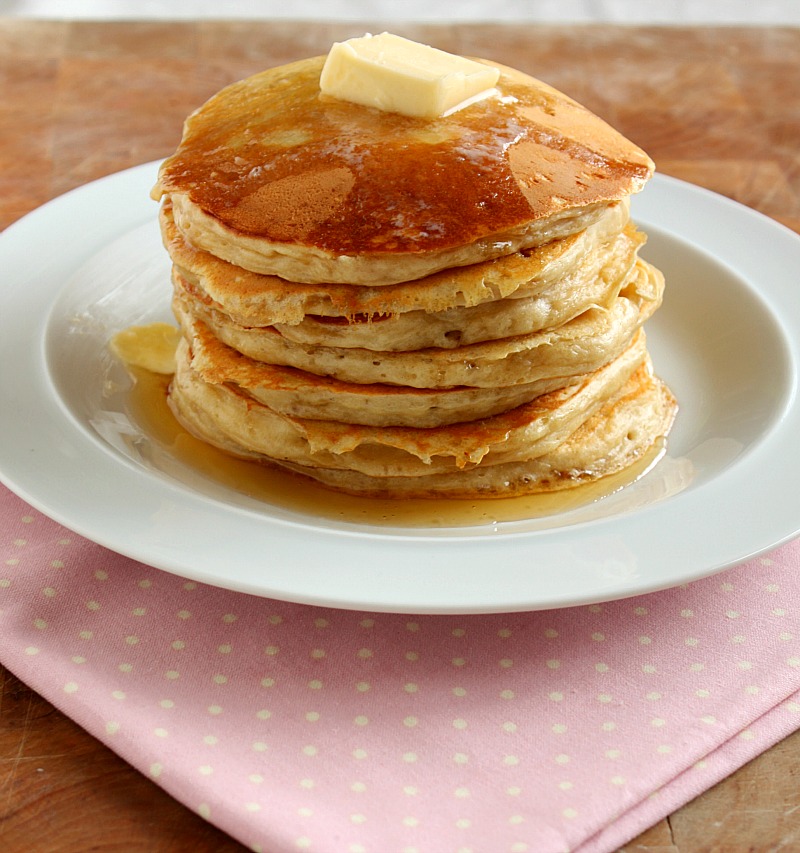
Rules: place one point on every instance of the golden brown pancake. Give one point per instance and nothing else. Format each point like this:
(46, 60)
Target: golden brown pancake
(517, 435)
(619, 434)
(579, 346)
(297, 393)
(408, 307)
(329, 191)
(561, 439)
(549, 285)
(253, 299)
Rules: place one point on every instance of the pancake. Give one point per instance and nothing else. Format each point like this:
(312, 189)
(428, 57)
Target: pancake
(238, 421)
(328, 191)
(579, 346)
(251, 299)
(618, 435)
(298, 393)
(616, 428)
(594, 279)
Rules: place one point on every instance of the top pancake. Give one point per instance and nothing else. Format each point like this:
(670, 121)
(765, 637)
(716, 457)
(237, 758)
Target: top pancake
(278, 179)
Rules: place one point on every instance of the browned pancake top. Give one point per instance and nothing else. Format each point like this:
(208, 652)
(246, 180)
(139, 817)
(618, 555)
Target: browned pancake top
(272, 158)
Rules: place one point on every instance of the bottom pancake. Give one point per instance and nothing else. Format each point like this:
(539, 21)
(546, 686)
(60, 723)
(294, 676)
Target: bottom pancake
(562, 440)
(623, 432)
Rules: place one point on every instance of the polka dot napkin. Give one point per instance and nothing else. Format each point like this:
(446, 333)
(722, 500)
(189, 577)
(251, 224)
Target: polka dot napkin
(301, 728)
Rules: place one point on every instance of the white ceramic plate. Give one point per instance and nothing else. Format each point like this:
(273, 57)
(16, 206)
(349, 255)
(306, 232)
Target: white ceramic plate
(727, 341)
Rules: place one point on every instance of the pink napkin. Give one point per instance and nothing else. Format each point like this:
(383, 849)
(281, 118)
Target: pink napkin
(296, 727)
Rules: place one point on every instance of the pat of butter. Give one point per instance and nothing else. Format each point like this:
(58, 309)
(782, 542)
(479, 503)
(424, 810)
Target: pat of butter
(151, 347)
(401, 76)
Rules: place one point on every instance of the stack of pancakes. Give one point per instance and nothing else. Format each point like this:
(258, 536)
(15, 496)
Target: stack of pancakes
(406, 307)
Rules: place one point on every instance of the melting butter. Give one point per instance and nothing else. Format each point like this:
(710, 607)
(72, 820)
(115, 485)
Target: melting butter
(396, 75)
(151, 347)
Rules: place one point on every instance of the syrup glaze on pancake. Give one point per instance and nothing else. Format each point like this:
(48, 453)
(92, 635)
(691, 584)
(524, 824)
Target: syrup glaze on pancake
(271, 158)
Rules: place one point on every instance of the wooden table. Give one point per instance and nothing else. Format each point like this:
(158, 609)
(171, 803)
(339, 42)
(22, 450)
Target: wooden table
(716, 106)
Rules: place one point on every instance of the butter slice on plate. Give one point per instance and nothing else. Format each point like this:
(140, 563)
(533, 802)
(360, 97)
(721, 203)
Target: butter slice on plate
(396, 75)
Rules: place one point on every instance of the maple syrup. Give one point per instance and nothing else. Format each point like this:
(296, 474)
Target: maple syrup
(271, 157)
(146, 405)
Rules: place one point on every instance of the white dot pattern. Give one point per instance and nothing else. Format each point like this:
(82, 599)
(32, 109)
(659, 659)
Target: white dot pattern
(518, 732)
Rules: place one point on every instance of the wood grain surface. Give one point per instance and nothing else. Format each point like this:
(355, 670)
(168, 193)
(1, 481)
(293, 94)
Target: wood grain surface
(719, 107)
